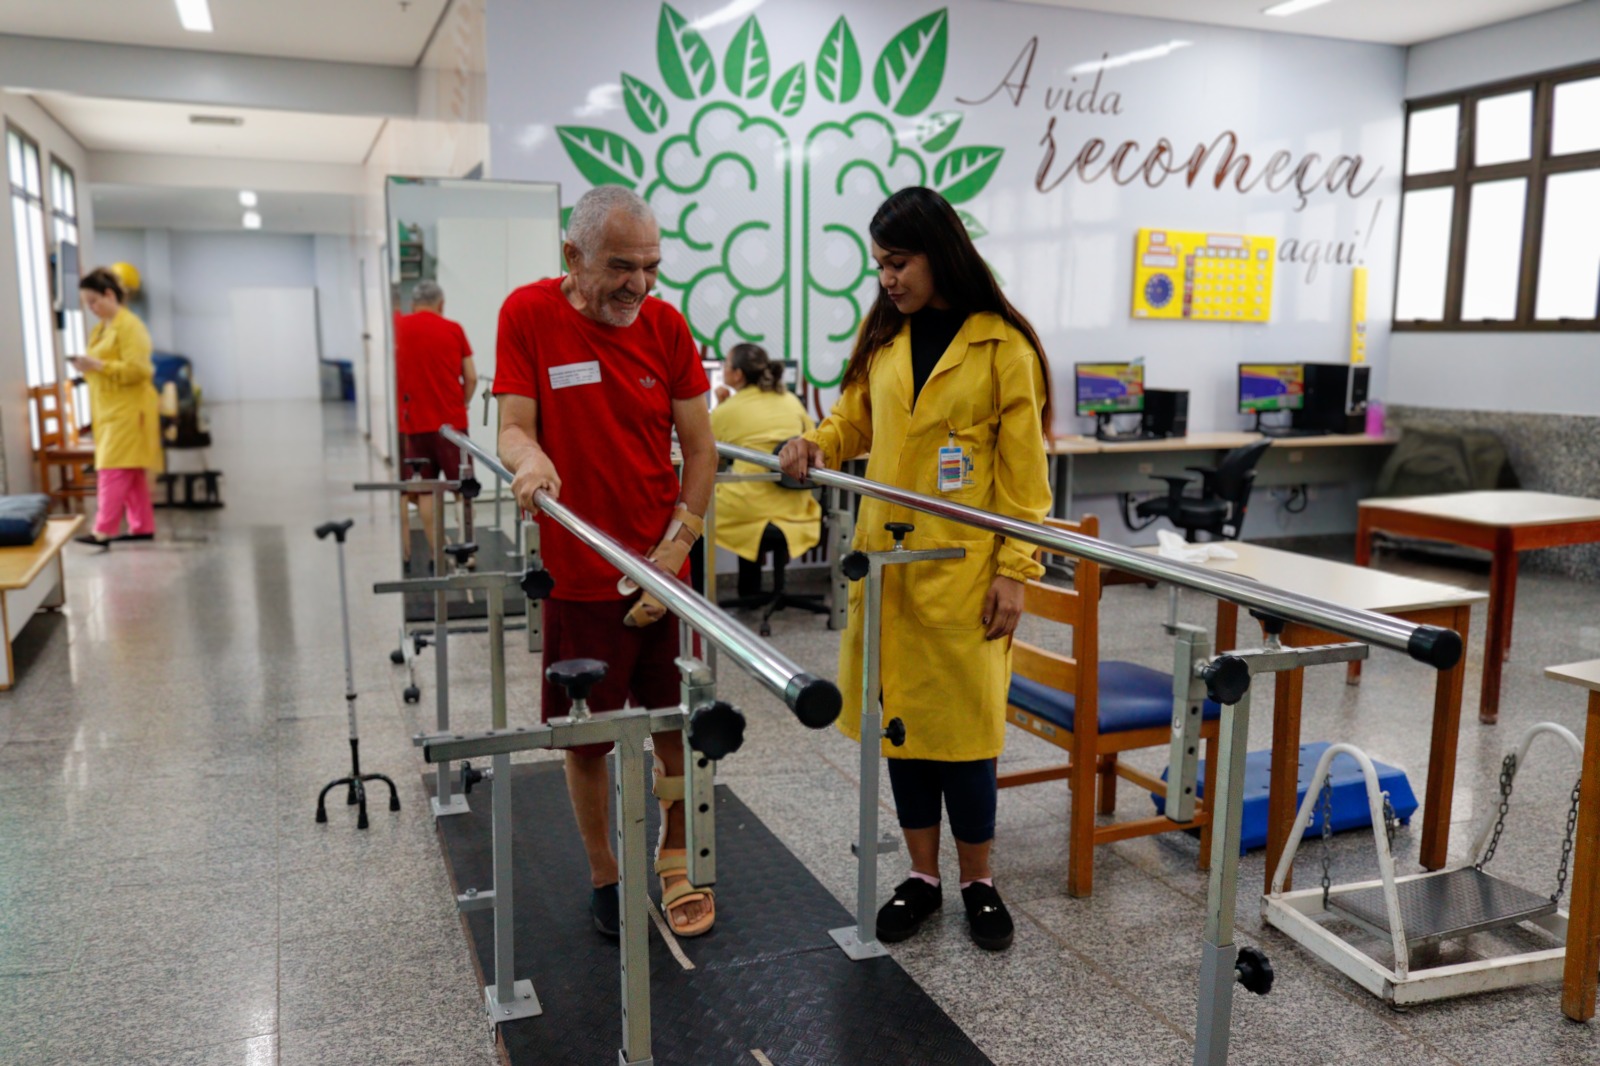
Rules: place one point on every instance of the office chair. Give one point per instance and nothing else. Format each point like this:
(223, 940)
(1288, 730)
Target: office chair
(1220, 508)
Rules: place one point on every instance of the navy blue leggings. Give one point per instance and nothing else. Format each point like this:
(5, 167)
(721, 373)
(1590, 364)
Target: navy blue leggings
(968, 789)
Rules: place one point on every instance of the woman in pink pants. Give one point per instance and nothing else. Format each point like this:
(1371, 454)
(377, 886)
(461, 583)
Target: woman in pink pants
(123, 407)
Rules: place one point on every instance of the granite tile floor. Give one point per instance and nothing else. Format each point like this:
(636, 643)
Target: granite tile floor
(165, 896)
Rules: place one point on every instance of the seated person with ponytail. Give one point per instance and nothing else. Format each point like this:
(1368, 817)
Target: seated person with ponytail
(755, 517)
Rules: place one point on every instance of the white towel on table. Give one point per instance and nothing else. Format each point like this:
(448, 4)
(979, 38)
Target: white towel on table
(1175, 547)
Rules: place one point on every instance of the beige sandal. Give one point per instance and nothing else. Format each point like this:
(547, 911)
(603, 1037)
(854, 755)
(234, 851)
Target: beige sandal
(672, 866)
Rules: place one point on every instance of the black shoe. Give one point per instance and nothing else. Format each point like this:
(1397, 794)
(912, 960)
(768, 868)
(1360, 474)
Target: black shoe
(987, 918)
(103, 543)
(914, 900)
(605, 908)
(136, 536)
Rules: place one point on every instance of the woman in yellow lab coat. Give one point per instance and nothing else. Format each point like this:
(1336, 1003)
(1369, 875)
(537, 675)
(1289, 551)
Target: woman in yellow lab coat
(761, 414)
(947, 389)
(124, 410)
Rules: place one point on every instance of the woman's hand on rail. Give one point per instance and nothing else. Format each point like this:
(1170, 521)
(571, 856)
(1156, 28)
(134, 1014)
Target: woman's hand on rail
(1002, 607)
(799, 456)
(536, 472)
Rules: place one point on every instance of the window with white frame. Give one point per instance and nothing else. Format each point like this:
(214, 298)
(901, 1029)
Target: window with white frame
(33, 276)
(64, 226)
(1500, 208)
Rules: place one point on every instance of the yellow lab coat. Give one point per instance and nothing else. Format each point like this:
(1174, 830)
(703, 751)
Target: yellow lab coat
(123, 404)
(762, 421)
(939, 675)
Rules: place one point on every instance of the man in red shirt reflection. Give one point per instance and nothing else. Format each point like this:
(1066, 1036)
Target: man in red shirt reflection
(434, 382)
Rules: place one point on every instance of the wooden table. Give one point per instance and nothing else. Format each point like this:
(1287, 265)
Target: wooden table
(31, 577)
(1583, 912)
(1502, 522)
(1421, 602)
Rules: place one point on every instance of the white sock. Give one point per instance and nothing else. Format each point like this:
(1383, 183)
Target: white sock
(934, 881)
(980, 881)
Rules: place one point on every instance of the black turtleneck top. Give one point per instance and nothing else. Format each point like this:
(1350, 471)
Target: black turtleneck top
(932, 330)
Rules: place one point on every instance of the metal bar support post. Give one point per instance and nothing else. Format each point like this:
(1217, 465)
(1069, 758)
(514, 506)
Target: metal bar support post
(860, 941)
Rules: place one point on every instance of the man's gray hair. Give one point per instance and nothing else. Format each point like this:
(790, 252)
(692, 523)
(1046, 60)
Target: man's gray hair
(427, 292)
(586, 227)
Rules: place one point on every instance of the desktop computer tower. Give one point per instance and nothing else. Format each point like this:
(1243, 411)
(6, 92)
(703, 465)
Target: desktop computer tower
(1335, 398)
(1166, 413)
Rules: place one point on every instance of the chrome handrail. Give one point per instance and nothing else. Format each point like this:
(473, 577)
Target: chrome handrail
(1434, 645)
(814, 700)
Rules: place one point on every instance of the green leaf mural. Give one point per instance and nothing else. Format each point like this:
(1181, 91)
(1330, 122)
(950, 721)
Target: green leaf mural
(684, 57)
(975, 229)
(605, 158)
(789, 94)
(645, 106)
(747, 66)
(937, 130)
(962, 174)
(910, 70)
(839, 65)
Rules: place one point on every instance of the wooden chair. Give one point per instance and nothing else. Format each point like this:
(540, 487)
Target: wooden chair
(66, 462)
(1128, 707)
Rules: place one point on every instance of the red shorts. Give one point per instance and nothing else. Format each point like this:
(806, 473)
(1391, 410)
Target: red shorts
(443, 458)
(642, 662)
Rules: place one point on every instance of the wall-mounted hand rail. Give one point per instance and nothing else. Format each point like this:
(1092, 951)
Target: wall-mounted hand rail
(814, 700)
(1434, 645)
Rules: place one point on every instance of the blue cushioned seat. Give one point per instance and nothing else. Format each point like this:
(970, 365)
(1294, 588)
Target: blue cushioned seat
(1131, 697)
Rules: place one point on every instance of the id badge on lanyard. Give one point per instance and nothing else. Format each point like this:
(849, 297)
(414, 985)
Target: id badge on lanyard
(955, 467)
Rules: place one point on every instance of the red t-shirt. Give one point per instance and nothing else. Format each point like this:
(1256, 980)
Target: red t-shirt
(428, 351)
(605, 419)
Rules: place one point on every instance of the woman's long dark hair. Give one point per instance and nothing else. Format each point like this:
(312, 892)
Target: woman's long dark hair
(919, 220)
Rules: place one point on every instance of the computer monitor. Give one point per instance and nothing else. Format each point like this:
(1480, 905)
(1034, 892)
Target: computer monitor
(1110, 388)
(1271, 387)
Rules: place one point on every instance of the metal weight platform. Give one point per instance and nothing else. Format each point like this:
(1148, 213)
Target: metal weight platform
(1197, 674)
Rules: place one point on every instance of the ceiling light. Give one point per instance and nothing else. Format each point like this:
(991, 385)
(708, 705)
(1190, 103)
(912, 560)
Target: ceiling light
(216, 120)
(195, 15)
(1112, 62)
(252, 220)
(1292, 7)
(247, 198)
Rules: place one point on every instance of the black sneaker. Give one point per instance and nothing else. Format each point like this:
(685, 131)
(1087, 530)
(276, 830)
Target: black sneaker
(987, 918)
(914, 900)
(606, 909)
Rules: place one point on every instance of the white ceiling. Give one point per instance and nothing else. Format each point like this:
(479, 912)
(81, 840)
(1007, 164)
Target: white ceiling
(1380, 21)
(164, 129)
(145, 207)
(391, 32)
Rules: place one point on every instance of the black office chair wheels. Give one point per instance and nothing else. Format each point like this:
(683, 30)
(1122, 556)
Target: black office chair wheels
(397, 656)
(765, 629)
(1253, 970)
(411, 694)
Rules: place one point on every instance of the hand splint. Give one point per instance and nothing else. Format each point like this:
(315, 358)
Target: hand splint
(669, 555)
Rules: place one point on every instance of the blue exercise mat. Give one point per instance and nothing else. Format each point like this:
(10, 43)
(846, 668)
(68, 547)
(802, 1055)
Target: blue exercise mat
(1349, 793)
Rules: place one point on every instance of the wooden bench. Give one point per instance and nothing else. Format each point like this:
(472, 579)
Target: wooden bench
(31, 577)
(1583, 913)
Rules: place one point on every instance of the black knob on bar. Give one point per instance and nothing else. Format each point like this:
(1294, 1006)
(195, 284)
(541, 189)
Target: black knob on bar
(538, 584)
(461, 552)
(898, 530)
(338, 529)
(1253, 970)
(470, 487)
(895, 732)
(854, 566)
(1227, 679)
(577, 676)
(1270, 623)
(716, 730)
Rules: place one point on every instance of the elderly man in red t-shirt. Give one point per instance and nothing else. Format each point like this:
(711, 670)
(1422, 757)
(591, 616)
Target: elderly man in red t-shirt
(434, 382)
(593, 375)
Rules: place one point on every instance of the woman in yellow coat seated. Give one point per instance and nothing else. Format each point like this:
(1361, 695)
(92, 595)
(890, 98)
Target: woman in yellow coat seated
(947, 389)
(760, 414)
(124, 412)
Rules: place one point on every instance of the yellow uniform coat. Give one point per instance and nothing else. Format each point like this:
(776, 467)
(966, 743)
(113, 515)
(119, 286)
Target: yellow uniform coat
(939, 675)
(762, 421)
(123, 404)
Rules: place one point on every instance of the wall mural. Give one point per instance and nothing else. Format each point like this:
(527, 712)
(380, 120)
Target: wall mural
(761, 215)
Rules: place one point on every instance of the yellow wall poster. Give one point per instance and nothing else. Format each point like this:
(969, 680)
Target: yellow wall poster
(1215, 277)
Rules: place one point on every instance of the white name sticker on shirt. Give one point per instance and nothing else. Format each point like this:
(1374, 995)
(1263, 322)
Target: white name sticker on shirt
(563, 377)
